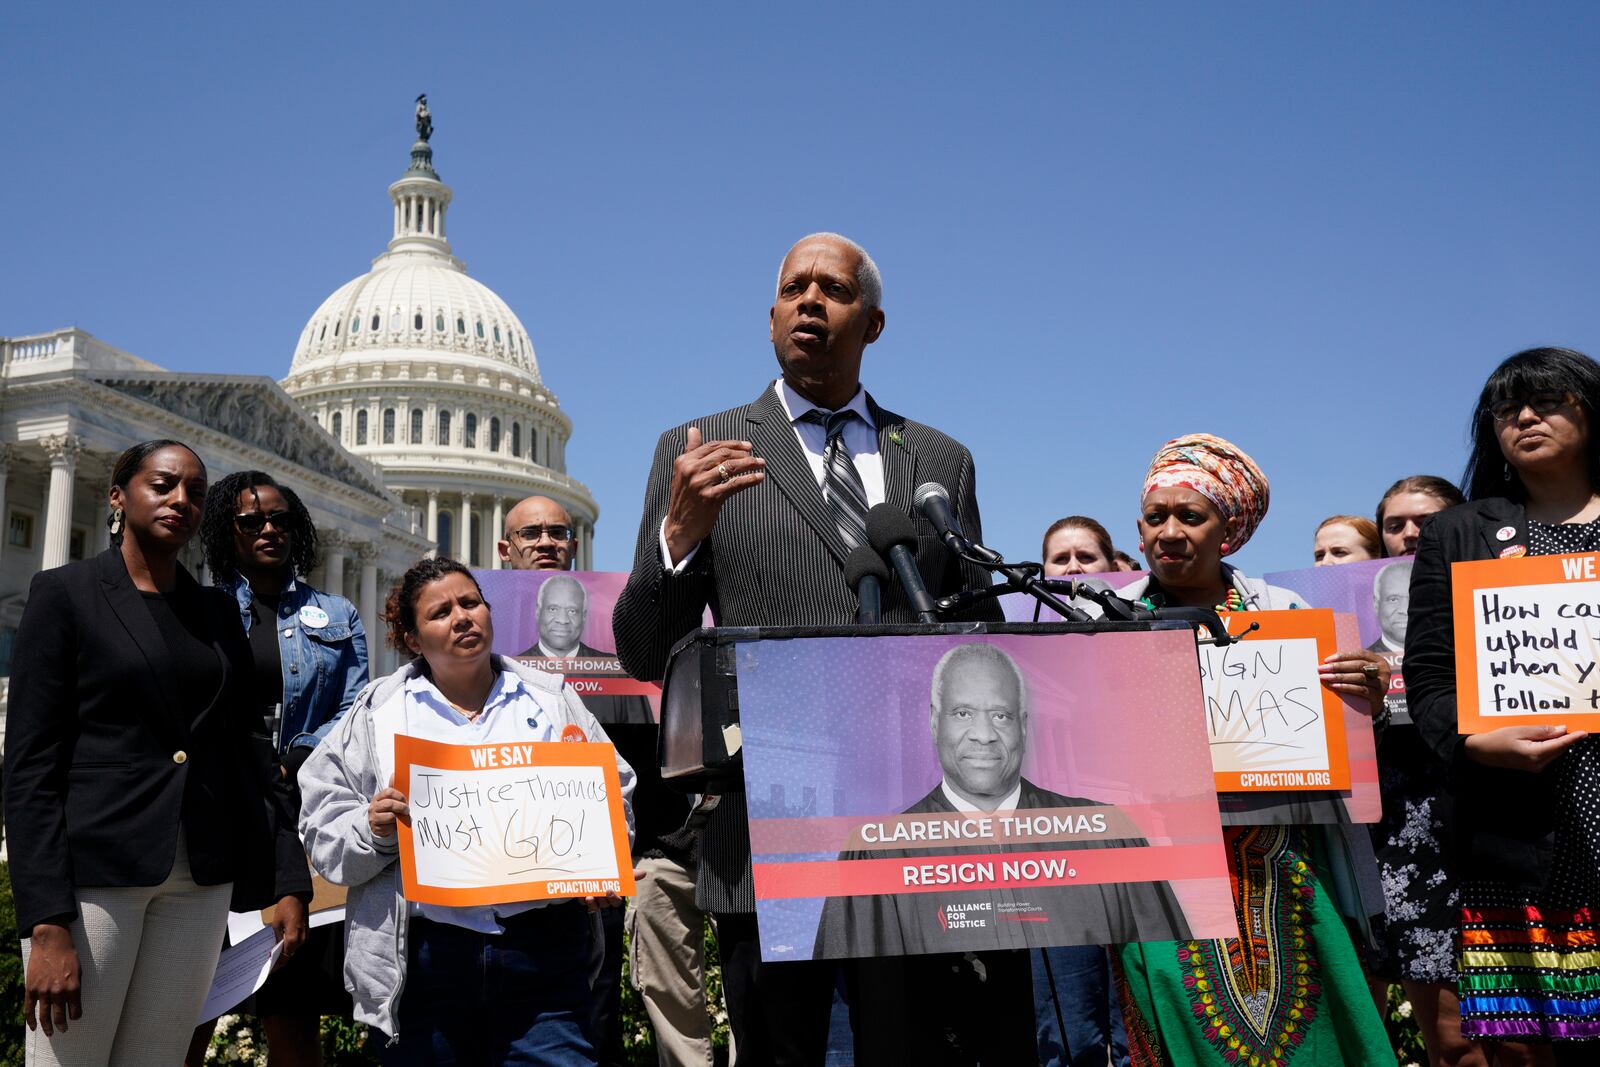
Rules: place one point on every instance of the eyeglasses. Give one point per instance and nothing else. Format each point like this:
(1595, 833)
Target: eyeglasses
(253, 522)
(533, 533)
(1541, 403)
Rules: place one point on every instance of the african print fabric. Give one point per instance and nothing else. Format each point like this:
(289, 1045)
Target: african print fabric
(1288, 993)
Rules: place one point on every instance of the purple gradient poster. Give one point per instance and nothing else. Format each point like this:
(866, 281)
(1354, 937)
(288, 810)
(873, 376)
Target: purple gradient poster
(1378, 593)
(930, 794)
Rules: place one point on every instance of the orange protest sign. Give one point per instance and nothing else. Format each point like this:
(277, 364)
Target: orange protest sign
(503, 823)
(1271, 723)
(1527, 641)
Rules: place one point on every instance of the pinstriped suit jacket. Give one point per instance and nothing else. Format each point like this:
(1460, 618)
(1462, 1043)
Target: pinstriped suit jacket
(775, 558)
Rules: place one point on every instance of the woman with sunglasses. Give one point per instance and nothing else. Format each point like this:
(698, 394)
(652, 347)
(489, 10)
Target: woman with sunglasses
(1522, 814)
(310, 655)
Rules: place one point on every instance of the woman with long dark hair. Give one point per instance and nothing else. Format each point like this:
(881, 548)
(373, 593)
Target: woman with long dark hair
(1522, 817)
(310, 655)
(474, 986)
(138, 791)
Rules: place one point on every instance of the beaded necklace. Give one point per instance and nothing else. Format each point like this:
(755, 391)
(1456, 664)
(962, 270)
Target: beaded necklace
(1234, 601)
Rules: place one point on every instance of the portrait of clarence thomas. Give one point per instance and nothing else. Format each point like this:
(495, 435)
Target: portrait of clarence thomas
(983, 806)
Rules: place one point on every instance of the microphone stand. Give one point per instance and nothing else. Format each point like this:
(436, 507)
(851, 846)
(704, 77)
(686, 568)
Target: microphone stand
(1020, 578)
(1025, 578)
(1116, 607)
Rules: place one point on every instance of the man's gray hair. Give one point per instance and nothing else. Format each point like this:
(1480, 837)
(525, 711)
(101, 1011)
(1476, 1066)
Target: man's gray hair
(981, 652)
(583, 594)
(1384, 571)
(867, 276)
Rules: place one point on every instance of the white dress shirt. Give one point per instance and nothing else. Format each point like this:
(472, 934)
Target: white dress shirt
(860, 438)
(960, 803)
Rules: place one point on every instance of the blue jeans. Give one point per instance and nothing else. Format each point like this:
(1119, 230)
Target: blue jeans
(1075, 1008)
(476, 1000)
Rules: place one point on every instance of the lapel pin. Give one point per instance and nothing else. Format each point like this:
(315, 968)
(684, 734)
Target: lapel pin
(1506, 533)
(894, 435)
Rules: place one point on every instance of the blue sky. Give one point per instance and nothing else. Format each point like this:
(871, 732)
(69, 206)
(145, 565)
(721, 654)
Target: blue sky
(1309, 228)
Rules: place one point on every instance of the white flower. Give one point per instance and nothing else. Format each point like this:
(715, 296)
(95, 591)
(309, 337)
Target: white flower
(1404, 1010)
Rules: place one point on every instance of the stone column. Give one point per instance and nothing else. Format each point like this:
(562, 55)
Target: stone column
(334, 548)
(465, 549)
(7, 454)
(495, 532)
(433, 522)
(367, 553)
(63, 449)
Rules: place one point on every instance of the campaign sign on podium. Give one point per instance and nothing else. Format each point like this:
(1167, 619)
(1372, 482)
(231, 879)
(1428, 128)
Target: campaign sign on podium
(1271, 723)
(1527, 642)
(503, 823)
(914, 794)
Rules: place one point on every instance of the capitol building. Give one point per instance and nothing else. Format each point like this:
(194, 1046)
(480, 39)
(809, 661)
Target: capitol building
(412, 416)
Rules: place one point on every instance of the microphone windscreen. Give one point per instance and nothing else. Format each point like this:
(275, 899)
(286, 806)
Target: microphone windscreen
(862, 562)
(887, 527)
(929, 489)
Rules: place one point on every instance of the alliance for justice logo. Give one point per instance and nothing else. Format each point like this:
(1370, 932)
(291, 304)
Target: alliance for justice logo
(970, 916)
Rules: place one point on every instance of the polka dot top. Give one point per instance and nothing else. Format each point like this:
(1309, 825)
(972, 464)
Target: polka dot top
(1575, 875)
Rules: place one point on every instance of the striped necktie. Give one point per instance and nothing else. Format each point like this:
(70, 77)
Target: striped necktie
(841, 482)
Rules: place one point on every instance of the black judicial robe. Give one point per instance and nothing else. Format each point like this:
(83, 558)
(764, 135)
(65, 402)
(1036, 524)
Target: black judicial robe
(977, 920)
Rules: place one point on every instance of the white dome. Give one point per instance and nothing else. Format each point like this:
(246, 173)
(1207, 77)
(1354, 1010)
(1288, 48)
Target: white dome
(428, 375)
(414, 301)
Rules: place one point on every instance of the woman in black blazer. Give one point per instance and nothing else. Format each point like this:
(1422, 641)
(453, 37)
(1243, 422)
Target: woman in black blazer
(1522, 822)
(138, 789)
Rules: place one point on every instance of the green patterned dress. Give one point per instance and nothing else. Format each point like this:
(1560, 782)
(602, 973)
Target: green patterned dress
(1288, 993)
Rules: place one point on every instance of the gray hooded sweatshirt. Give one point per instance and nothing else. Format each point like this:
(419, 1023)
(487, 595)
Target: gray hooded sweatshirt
(336, 785)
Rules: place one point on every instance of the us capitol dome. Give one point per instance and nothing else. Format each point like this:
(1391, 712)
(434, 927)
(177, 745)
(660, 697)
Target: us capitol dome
(426, 373)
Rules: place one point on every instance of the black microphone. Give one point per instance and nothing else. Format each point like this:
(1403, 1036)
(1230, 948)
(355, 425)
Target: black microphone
(892, 536)
(933, 500)
(864, 570)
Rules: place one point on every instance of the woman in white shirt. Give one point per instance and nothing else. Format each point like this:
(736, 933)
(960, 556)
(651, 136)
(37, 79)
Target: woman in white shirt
(495, 984)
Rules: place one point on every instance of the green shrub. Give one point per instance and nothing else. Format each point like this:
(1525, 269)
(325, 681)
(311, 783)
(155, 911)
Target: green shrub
(11, 1048)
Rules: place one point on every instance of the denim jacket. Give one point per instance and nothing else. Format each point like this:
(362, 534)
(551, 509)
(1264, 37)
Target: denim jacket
(324, 667)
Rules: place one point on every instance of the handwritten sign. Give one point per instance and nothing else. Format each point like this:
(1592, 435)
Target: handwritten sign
(1271, 723)
(1527, 642)
(498, 824)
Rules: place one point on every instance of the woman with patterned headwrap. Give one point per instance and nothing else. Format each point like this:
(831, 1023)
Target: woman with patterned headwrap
(1290, 991)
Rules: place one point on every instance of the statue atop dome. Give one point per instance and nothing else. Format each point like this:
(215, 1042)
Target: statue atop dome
(424, 118)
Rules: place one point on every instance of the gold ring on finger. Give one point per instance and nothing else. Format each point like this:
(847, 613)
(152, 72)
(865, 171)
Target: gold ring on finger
(1369, 669)
(722, 473)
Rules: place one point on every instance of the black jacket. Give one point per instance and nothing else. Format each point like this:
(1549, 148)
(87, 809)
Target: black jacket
(100, 768)
(1499, 824)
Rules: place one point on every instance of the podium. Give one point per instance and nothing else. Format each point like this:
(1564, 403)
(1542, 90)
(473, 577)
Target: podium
(701, 739)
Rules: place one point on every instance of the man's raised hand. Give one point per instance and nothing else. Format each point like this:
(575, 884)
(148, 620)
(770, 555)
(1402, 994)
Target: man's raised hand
(705, 476)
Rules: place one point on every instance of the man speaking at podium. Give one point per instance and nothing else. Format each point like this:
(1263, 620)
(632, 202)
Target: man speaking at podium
(751, 512)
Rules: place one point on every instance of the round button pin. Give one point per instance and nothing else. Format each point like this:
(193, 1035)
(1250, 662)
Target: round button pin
(1506, 533)
(180, 756)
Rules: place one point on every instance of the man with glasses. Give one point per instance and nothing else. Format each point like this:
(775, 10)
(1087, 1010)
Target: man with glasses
(663, 922)
(538, 536)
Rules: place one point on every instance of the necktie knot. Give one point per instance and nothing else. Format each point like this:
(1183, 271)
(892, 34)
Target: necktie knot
(833, 421)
